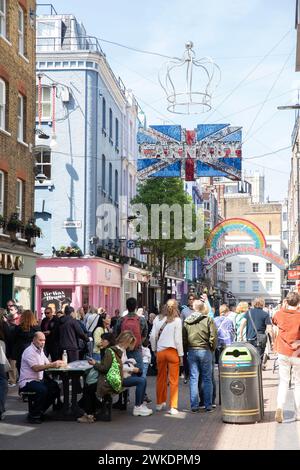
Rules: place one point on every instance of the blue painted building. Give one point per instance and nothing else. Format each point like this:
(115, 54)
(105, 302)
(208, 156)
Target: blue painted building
(88, 160)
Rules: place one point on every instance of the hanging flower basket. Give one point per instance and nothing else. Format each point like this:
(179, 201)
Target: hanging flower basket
(31, 230)
(14, 224)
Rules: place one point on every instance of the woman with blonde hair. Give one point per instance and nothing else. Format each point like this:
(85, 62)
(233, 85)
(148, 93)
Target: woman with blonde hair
(166, 341)
(241, 310)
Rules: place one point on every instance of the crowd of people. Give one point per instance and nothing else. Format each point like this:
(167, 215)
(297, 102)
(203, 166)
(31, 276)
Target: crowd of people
(124, 348)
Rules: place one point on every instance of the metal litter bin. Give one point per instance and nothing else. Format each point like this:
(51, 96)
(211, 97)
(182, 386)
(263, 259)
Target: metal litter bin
(241, 384)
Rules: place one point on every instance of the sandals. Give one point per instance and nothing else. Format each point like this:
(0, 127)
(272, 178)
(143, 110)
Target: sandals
(86, 419)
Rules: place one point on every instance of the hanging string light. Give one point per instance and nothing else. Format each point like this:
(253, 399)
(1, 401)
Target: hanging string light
(189, 82)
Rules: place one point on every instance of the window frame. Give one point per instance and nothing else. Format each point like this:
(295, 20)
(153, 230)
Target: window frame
(103, 114)
(3, 105)
(21, 32)
(242, 263)
(117, 133)
(269, 265)
(2, 192)
(244, 284)
(3, 20)
(44, 117)
(41, 149)
(254, 266)
(110, 180)
(257, 284)
(19, 197)
(110, 130)
(269, 283)
(227, 265)
(20, 118)
(116, 186)
(103, 170)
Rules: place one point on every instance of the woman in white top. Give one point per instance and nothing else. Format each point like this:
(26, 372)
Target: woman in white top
(166, 340)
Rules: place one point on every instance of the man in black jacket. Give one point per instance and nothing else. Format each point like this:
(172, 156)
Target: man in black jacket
(69, 333)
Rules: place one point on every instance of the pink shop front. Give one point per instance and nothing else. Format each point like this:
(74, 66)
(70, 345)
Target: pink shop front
(81, 281)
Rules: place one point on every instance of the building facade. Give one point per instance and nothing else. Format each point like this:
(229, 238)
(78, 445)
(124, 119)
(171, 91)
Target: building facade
(88, 169)
(17, 123)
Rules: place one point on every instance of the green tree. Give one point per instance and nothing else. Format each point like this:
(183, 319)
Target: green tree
(167, 247)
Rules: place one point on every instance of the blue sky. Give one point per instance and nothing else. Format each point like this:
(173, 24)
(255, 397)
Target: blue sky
(237, 34)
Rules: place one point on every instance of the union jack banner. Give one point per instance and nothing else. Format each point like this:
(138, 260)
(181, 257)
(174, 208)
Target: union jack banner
(208, 150)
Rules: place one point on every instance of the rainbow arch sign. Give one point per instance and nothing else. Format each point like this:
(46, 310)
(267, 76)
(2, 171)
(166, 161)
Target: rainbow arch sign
(240, 225)
(249, 228)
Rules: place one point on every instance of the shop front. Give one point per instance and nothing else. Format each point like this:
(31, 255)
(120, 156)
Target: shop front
(17, 277)
(82, 282)
(135, 284)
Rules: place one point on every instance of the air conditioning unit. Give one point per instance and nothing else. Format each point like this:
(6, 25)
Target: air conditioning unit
(65, 94)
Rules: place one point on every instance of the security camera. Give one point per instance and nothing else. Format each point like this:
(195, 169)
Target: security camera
(41, 177)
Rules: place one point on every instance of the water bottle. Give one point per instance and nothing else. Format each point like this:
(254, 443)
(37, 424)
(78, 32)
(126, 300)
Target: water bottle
(65, 356)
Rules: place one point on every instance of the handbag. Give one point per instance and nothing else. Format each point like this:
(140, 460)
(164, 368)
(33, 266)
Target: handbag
(260, 337)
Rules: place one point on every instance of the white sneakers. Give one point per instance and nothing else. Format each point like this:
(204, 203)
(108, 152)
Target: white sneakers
(142, 410)
(173, 411)
(161, 406)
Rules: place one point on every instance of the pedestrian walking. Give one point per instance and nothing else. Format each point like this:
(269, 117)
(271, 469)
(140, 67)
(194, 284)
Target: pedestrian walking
(287, 345)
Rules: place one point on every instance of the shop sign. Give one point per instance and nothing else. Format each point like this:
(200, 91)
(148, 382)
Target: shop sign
(293, 274)
(11, 262)
(72, 224)
(57, 299)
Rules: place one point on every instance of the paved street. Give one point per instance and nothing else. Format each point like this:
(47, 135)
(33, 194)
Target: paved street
(160, 431)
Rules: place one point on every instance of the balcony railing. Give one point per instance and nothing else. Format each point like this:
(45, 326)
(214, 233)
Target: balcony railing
(68, 43)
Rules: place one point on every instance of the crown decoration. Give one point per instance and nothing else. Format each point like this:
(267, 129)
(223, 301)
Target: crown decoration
(182, 96)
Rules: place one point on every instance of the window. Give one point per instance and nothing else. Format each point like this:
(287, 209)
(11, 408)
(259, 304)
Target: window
(103, 172)
(242, 285)
(255, 286)
(268, 267)
(228, 267)
(284, 235)
(117, 133)
(2, 183)
(269, 286)
(229, 285)
(284, 216)
(21, 31)
(2, 103)
(3, 18)
(242, 267)
(110, 124)
(103, 113)
(116, 186)
(206, 206)
(110, 180)
(255, 267)
(20, 118)
(43, 161)
(45, 103)
(19, 198)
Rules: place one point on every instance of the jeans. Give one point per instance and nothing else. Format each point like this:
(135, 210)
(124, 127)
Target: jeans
(3, 388)
(145, 369)
(47, 391)
(214, 385)
(137, 355)
(140, 386)
(285, 363)
(200, 362)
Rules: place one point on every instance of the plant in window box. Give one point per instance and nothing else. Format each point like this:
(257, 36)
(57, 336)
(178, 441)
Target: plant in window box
(14, 224)
(32, 230)
(2, 221)
(74, 251)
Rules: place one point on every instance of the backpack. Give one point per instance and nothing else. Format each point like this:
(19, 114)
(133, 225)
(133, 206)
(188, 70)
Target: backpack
(113, 376)
(133, 324)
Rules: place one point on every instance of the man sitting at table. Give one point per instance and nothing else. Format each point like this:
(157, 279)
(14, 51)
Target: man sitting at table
(33, 364)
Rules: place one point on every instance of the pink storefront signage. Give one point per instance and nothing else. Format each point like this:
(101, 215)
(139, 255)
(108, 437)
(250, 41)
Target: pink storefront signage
(100, 278)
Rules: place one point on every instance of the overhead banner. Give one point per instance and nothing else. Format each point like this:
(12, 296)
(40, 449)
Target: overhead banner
(208, 150)
(269, 255)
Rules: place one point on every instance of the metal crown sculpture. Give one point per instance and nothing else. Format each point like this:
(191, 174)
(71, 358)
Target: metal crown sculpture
(181, 96)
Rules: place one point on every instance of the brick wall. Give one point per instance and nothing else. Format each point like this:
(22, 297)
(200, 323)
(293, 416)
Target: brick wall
(18, 72)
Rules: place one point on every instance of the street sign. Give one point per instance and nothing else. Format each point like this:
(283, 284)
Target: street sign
(131, 244)
(294, 274)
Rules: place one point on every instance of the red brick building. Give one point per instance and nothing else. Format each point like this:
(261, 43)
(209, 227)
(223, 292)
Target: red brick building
(17, 123)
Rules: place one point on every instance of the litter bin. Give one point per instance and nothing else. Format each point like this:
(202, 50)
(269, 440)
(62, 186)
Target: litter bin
(241, 384)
